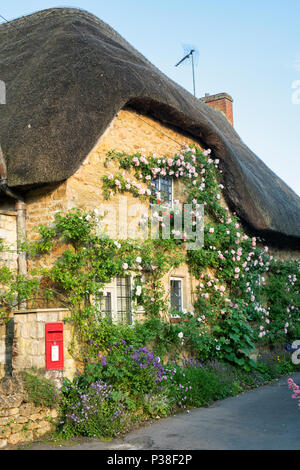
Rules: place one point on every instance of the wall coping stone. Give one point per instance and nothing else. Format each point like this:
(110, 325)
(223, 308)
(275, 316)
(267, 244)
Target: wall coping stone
(40, 310)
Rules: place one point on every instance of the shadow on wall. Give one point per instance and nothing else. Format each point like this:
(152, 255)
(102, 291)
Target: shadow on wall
(6, 347)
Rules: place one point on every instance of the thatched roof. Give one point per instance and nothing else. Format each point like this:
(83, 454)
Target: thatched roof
(67, 74)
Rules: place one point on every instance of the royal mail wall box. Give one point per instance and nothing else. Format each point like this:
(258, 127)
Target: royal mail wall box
(54, 346)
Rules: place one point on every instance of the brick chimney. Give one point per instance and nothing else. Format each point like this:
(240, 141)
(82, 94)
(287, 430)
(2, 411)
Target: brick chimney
(221, 102)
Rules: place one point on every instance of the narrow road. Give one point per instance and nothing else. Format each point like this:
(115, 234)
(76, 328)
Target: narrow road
(266, 418)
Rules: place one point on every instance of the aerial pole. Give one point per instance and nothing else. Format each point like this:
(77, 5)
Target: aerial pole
(194, 87)
(187, 56)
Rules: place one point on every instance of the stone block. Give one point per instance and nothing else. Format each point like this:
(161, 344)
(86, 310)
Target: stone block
(46, 317)
(44, 427)
(4, 420)
(27, 409)
(16, 427)
(38, 361)
(40, 332)
(3, 443)
(13, 411)
(15, 438)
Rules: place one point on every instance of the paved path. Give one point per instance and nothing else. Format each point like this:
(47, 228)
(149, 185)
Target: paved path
(266, 418)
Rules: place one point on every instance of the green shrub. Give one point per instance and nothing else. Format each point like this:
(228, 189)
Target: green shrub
(126, 368)
(40, 391)
(199, 386)
(94, 411)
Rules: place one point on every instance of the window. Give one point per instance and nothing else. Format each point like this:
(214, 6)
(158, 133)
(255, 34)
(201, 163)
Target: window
(124, 299)
(114, 302)
(176, 293)
(103, 302)
(164, 186)
(106, 308)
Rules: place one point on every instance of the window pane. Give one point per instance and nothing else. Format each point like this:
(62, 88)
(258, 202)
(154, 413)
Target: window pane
(107, 305)
(124, 298)
(163, 185)
(103, 303)
(176, 294)
(166, 189)
(155, 188)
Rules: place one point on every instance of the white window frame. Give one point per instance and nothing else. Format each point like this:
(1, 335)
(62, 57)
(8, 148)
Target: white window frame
(112, 288)
(180, 279)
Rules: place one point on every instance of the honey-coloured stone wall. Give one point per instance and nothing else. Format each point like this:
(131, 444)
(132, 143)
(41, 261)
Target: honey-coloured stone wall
(29, 342)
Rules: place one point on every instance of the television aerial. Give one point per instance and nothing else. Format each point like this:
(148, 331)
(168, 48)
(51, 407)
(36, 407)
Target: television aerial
(190, 52)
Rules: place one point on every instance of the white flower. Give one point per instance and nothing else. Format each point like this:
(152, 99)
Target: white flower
(138, 259)
(138, 290)
(125, 266)
(180, 335)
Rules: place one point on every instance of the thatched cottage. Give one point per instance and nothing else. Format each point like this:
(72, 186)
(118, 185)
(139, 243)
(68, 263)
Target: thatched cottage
(75, 90)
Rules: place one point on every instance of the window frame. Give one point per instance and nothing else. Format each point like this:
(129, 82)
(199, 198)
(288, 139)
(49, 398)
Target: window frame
(179, 279)
(128, 285)
(158, 180)
(112, 289)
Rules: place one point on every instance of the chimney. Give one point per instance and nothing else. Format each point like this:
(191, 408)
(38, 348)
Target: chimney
(221, 102)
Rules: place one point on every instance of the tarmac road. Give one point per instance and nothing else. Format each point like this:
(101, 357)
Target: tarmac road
(266, 418)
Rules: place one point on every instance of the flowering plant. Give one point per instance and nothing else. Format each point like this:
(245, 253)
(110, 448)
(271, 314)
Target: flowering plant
(130, 369)
(94, 411)
(296, 390)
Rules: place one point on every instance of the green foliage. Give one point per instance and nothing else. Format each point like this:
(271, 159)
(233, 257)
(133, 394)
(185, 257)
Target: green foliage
(40, 391)
(128, 368)
(245, 296)
(91, 409)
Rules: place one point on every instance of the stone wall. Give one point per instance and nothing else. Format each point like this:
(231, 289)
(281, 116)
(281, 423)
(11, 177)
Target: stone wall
(8, 233)
(29, 342)
(129, 132)
(20, 420)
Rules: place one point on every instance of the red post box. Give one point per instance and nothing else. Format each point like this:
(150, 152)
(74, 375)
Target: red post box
(54, 346)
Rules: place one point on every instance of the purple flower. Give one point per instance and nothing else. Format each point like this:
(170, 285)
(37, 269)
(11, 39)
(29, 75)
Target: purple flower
(103, 362)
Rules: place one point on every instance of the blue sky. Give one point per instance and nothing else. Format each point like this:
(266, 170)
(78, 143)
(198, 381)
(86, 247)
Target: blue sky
(249, 49)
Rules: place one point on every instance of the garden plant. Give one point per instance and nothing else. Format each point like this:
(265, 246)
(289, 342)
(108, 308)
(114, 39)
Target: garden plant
(247, 303)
